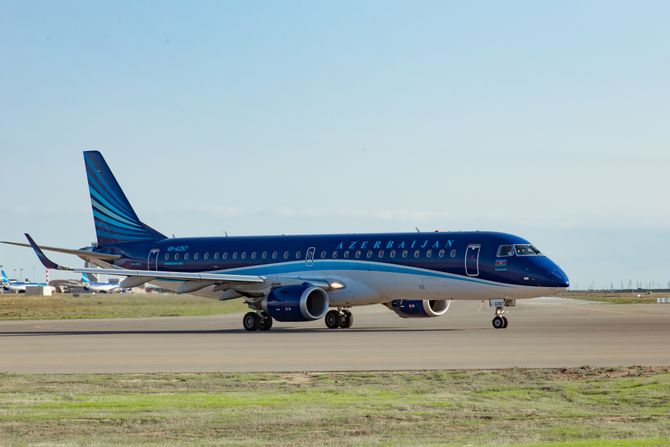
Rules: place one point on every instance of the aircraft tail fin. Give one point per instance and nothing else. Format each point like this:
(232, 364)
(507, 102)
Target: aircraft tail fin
(85, 279)
(115, 219)
(5, 280)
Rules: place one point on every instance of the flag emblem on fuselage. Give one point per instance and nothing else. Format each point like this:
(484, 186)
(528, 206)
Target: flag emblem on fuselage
(501, 265)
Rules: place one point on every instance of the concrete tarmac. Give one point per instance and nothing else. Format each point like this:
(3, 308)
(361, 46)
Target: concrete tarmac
(545, 332)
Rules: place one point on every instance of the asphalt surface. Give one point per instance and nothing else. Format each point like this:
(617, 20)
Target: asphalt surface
(546, 332)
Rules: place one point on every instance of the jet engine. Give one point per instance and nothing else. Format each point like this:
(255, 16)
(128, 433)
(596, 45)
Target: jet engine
(302, 302)
(419, 308)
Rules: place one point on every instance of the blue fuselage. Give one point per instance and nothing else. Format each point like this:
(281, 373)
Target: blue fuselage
(470, 255)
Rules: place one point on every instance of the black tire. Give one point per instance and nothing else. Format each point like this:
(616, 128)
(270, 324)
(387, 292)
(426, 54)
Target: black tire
(347, 319)
(251, 321)
(505, 320)
(498, 322)
(266, 324)
(332, 319)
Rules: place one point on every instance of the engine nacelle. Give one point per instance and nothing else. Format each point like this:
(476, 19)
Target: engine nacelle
(303, 302)
(419, 308)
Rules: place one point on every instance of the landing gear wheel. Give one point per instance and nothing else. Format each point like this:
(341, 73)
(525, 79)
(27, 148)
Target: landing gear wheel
(332, 319)
(251, 321)
(346, 319)
(266, 323)
(498, 322)
(505, 320)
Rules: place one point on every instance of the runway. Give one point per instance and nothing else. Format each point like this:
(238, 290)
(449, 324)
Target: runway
(546, 332)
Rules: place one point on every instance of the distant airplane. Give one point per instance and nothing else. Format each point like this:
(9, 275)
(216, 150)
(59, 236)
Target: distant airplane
(299, 278)
(18, 286)
(91, 284)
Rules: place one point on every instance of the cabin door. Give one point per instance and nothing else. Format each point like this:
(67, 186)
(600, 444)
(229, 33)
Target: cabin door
(472, 260)
(152, 259)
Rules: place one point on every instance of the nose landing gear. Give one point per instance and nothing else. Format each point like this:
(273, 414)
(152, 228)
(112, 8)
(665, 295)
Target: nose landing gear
(499, 321)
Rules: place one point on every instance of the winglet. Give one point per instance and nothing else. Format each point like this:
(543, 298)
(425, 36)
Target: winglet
(48, 263)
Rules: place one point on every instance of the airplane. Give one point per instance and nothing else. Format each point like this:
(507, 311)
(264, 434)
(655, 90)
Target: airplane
(310, 277)
(18, 286)
(91, 284)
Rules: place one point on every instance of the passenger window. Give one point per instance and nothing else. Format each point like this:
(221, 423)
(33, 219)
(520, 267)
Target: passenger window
(275, 254)
(196, 256)
(323, 254)
(417, 253)
(369, 254)
(357, 255)
(405, 253)
(334, 254)
(453, 253)
(381, 254)
(264, 255)
(286, 254)
(297, 254)
(346, 254)
(441, 253)
(205, 256)
(505, 250)
(234, 255)
(167, 256)
(392, 253)
(216, 255)
(253, 255)
(429, 253)
(225, 255)
(244, 255)
(185, 256)
(176, 256)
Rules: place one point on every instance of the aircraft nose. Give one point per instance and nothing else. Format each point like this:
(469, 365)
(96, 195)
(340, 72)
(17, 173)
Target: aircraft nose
(558, 278)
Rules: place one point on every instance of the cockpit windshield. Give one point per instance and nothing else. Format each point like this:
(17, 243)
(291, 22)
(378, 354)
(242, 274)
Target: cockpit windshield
(505, 250)
(526, 250)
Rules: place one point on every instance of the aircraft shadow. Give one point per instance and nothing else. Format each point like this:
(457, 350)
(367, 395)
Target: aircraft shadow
(216, 331)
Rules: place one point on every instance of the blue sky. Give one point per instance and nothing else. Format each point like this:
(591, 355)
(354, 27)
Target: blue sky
(545, 119)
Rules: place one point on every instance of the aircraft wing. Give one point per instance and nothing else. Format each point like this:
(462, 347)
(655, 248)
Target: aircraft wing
(81, 253)
(247, 285)
(195, 281)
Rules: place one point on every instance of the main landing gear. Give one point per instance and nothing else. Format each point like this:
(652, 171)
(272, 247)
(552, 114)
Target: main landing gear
(340, 318)
(257, 321)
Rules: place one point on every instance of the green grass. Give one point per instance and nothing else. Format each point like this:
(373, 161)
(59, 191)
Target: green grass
(60, 306)
(566, 407)
(615, 297)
